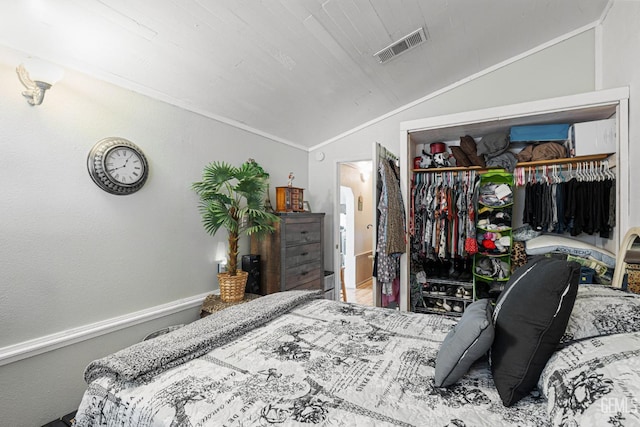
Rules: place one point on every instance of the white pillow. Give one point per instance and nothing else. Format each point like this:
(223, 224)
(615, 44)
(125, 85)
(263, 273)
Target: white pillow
(594, 382)
(547, 243)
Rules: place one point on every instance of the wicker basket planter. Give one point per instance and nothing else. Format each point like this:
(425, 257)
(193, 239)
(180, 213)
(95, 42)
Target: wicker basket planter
(232, 287)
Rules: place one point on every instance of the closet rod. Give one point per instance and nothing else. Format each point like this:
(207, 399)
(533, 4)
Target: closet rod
(437, 171)
(564, 161)
(386, 154)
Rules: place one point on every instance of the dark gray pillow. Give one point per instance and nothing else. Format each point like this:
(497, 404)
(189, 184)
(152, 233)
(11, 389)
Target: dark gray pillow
(468, 341)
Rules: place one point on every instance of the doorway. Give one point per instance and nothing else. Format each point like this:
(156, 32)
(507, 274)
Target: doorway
(355, 236)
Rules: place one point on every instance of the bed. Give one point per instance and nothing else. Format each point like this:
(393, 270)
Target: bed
(293, 359)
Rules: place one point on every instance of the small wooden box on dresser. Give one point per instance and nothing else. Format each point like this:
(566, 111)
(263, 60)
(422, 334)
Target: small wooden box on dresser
(292, 257)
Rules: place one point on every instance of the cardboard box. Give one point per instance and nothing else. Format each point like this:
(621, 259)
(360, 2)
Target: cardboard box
(595, 137)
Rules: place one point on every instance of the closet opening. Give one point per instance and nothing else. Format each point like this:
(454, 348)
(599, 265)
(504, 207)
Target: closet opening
(355, 238)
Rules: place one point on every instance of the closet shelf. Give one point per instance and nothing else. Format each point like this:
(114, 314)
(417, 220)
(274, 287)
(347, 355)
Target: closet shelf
(491, 208)
(563, 161)
(495, 230)
(446, 297)
(489, 278)
(492, 255)
(435, 280)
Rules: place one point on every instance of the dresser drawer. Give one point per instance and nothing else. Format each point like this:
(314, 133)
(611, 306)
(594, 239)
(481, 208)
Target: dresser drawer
(296, 276)
(292, 257)
(302, 254)
(303, 232)
(312, 285)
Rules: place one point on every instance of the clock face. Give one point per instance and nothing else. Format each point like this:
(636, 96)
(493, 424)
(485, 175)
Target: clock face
(117, 166)
(124, 165)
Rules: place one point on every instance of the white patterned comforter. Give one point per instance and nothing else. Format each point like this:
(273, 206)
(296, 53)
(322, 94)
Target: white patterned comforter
(321, 363)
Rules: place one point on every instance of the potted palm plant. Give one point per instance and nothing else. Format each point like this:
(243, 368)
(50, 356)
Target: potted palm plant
(233, 198)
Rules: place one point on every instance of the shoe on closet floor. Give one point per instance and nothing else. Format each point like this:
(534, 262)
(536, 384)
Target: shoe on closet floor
(430, 268)
(467, 266)
(443, 269)
(456, 269)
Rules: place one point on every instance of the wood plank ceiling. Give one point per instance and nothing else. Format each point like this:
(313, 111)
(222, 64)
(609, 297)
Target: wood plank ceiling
(299, 71)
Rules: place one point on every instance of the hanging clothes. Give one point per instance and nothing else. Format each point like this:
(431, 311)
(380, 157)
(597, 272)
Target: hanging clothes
(443, 210)
(391, 243)
(578, 203)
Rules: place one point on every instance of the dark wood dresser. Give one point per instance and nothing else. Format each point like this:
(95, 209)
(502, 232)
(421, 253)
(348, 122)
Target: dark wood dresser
(292, 257)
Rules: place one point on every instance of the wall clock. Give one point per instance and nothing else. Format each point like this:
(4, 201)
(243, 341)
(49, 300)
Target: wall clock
(117, 166)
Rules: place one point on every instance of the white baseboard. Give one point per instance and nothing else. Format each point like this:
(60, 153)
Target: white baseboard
(30, 348)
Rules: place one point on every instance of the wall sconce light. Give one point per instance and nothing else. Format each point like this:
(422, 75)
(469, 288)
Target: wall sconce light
(40, 77)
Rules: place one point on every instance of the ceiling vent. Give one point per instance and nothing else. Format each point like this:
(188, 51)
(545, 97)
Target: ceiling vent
(405, 44)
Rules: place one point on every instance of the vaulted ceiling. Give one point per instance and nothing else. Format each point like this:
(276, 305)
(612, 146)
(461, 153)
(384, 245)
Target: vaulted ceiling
(297, 71)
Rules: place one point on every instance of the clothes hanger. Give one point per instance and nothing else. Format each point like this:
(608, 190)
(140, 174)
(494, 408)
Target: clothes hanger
(579, 172)
(547, 178)
(610, 173)
(597, 166)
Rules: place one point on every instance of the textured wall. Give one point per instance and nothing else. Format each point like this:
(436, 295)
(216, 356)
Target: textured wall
(72, 254)
(620, 65)
(562, 69)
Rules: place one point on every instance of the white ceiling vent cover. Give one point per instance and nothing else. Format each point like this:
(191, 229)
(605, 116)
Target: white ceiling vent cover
(405, 44)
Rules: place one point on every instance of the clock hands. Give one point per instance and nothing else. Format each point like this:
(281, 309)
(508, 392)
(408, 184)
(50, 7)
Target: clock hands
(124, 165)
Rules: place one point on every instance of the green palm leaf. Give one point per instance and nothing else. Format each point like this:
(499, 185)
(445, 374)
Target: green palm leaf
(232, 198)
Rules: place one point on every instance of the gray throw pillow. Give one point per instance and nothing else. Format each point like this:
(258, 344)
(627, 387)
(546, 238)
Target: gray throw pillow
(468, 341)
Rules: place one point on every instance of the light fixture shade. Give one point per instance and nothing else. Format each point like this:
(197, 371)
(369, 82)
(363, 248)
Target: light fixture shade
(221, 252)
(37, 76)
(43, 71)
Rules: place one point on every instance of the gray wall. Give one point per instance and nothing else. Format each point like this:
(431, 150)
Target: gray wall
(562, 69)
(621, 67)
(72, 254)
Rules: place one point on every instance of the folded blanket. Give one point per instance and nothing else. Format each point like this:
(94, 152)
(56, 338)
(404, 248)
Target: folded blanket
(148, 358)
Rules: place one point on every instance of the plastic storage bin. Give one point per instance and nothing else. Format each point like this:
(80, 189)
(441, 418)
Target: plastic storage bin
(551, 132)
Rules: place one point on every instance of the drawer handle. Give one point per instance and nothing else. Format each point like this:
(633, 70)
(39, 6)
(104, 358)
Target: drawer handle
(304, 273)
(304, 253)
(303, 232)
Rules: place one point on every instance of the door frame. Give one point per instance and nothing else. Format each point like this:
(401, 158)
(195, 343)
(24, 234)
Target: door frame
(336, 222)
(349, 255)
